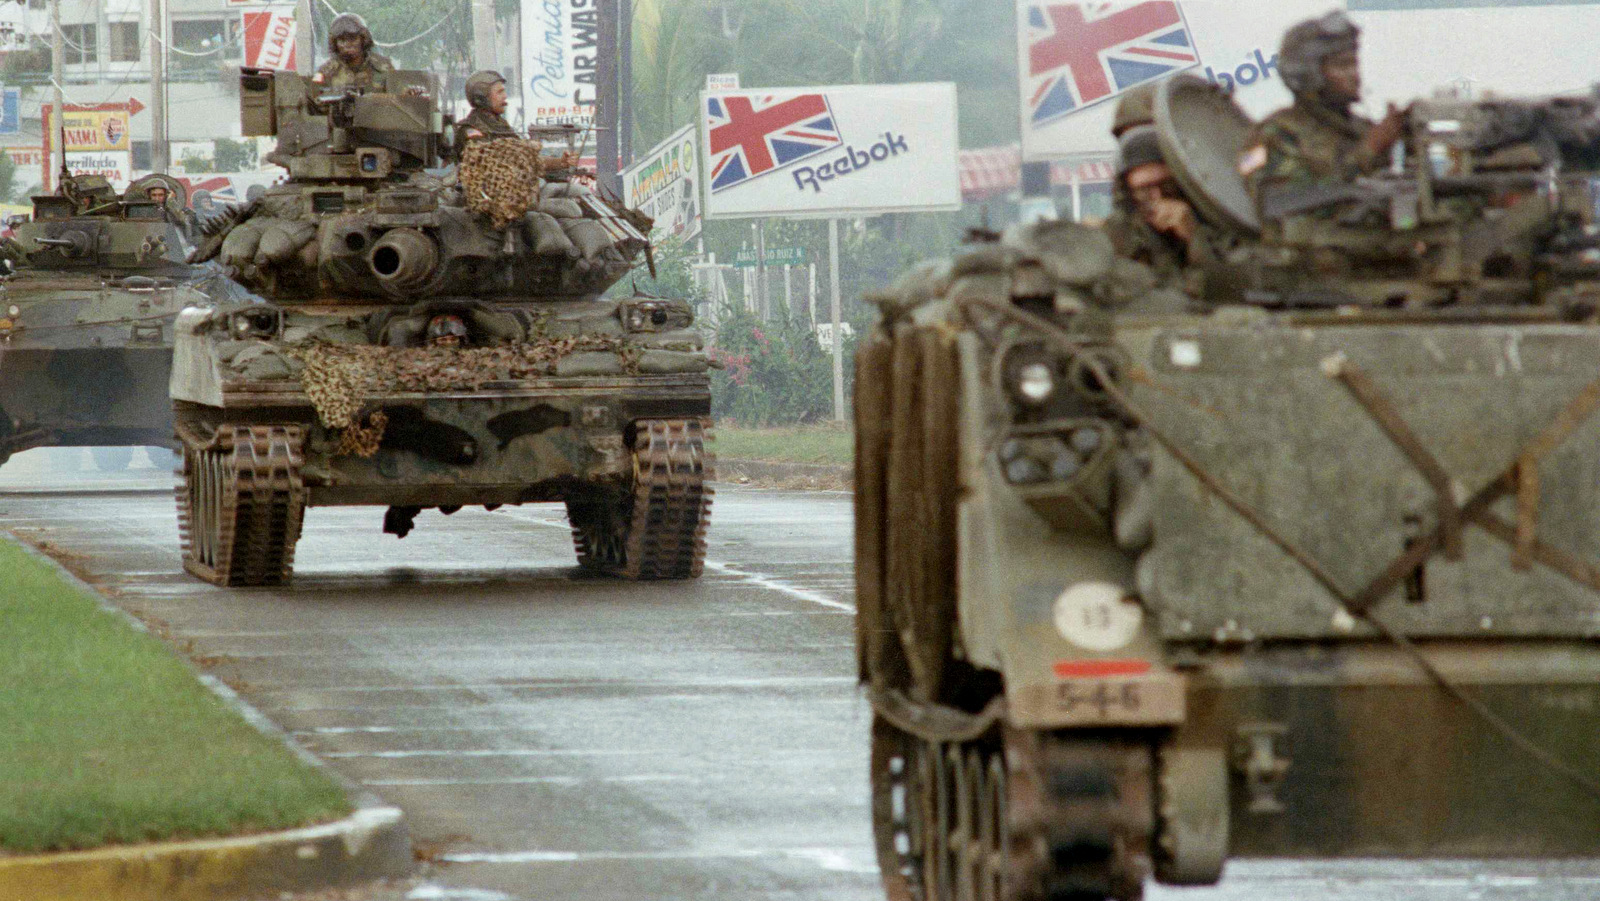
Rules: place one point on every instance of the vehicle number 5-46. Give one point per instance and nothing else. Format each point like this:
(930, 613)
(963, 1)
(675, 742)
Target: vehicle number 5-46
(1100, 698)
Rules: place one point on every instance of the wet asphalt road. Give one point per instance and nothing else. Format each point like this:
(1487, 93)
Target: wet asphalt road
(555, 737)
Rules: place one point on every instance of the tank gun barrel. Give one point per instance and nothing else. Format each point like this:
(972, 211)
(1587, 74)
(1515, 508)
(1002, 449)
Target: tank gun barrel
(404, 259)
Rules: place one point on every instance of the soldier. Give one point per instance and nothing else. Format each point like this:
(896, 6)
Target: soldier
(353, 65)
(159, 194)
(486, 92)
(1153, 222)
(1319, 139)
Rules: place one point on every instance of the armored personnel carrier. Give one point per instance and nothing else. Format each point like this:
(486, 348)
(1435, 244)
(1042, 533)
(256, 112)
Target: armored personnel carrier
(434, 339)
(1314, 572)
(95, 281)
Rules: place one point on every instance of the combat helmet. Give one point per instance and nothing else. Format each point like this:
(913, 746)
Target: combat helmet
(1138, 146)
(348, 24)
(479, 85)
(1136, 108)
(1308, 44)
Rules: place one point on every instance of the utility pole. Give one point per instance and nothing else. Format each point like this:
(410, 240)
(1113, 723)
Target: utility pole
(607, 96)
(102, 39)
(56, 77)
(625, 82)
(305, 50)
(156, 21)
(484, 48)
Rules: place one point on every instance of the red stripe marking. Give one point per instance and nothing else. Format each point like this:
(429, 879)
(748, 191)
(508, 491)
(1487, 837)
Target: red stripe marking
(1099, 669)
(1163, 54)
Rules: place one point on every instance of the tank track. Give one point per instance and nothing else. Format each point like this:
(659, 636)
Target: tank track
(658, 529)
(241, 502)
(1022, 816)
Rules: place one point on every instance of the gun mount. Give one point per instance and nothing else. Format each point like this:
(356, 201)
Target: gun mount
(1490, 203)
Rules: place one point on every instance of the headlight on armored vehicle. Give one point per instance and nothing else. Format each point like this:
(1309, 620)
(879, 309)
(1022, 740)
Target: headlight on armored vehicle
(1031, 374)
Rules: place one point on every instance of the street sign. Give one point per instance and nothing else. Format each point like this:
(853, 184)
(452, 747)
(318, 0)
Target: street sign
(776, 256)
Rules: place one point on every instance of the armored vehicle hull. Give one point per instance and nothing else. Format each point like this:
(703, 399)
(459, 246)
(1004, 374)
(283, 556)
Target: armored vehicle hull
(1310, 568)
(86, 321)
(1296, 585)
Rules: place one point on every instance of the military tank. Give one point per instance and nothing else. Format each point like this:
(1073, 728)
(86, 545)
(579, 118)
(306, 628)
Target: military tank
(434, 339)
(95, 281)
(1314, 572)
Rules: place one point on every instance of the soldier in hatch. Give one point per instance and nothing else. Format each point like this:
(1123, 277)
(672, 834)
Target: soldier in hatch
(1319, 140)
(1153, 222)
(486, 93)
(353, 65)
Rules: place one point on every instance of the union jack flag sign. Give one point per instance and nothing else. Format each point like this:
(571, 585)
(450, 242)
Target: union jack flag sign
(753, 136)
(1080, 53)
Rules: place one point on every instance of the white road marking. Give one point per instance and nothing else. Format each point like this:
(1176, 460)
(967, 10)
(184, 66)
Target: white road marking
(841, 860)
(488, 752)
(774, 584)
(537, 780)
(431, 892)
(775, 682)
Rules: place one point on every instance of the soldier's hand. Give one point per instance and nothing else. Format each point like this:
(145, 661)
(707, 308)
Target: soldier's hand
(1173, 217)
(1388, 132)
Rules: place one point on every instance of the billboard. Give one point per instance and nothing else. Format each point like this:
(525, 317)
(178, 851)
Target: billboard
(665, 186)
(1076, 57)
(269, 39)
(98, 141)
(855, 150)
(560, 55)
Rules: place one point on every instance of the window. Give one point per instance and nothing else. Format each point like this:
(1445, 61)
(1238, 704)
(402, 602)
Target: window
(79, 44)
(125, 42)
(203, 36)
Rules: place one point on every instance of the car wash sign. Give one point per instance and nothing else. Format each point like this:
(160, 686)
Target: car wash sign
(560, 60)
(830, 151)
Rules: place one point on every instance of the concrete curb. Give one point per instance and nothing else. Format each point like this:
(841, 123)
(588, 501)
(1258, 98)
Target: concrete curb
(786, 475)
(370, 844)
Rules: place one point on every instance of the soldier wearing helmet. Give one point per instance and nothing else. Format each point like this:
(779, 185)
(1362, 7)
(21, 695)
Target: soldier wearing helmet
(1319, 139)
(486, 93)
(1136, 107)
(1153, 222)
(353, 64)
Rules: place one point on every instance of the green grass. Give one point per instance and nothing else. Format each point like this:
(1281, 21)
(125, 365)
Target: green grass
(106, 738)
(797, 444)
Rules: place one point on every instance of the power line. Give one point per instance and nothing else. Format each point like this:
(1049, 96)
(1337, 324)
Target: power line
(416, 37)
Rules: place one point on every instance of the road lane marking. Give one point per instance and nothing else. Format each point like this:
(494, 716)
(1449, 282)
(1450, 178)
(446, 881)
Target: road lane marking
(773, 682)
(535, 780)
(840, 860)
(772, 583)
(430, 892)
(487, 752)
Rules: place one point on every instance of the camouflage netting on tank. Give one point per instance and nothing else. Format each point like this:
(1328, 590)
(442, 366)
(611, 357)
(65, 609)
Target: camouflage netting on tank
(501, 179)
(339, 379)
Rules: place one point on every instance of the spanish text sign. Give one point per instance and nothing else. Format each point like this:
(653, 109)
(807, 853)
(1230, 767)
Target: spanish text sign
(857, 150)
(662, 185)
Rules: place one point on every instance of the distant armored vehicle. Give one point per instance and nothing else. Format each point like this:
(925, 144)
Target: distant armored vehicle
(96, 280)
(431, 342)
(1144, 585)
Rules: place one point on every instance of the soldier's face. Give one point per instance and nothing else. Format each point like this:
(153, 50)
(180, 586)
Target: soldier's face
(497, 99)
(349, 48)
(1150, 184)
(159, 195)
(1342, 74)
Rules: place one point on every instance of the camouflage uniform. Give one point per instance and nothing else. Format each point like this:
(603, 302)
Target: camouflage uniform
(1175, 264)
(1317, 140)
(482, 123)
(335, 74)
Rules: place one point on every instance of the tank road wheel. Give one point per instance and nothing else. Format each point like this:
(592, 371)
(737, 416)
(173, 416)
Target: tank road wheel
(241, 501)
(658, 529)
(938, 817)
